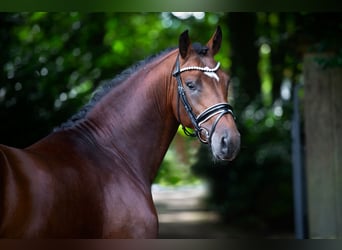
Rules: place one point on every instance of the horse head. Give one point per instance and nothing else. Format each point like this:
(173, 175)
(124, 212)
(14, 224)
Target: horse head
(203, 90)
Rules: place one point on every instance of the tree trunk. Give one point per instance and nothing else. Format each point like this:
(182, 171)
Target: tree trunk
(245, 52)
(323, 129)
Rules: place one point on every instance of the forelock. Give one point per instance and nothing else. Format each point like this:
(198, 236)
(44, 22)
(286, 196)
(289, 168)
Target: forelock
(200, 49)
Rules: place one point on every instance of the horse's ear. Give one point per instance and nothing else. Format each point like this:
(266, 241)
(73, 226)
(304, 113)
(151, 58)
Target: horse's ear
(184, 44)
(214, 44)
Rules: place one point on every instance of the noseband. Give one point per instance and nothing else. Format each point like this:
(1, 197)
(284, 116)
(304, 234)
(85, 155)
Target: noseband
(219, 109)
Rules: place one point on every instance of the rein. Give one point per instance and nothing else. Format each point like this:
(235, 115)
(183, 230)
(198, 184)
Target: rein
(219, 109)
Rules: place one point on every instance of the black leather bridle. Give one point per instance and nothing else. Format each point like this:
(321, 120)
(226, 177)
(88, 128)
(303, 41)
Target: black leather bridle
(219, 109)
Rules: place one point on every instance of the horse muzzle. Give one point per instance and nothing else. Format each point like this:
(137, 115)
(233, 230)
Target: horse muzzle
(225, 144)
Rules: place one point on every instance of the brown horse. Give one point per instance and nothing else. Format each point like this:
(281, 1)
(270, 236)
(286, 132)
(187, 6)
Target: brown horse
(91, 177)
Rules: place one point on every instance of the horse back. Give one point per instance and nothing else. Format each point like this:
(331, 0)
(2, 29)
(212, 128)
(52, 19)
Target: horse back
(18, 209)
(2, 179)
(47, 192)
(41, 198)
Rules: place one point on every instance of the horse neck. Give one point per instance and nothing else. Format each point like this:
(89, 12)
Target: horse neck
(134, 121)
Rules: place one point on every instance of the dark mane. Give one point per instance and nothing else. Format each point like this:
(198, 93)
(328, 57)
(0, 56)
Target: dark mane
(104, 88)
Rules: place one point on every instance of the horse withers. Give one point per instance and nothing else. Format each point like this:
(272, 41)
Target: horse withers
(92, 176)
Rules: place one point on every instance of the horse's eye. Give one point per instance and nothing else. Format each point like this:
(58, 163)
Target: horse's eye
(191, 85)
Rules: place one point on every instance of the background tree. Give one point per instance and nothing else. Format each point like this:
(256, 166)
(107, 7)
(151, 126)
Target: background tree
(244, 53)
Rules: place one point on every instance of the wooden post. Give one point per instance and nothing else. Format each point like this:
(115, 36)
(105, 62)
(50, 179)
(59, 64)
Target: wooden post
(323, 130)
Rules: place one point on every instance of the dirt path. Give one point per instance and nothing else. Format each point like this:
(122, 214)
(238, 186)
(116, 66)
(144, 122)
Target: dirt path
(183, 215)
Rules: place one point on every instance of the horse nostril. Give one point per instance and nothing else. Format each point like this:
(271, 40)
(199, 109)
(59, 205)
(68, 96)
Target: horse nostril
(224, 144)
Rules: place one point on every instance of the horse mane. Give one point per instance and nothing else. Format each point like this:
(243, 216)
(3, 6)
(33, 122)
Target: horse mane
(105, 87)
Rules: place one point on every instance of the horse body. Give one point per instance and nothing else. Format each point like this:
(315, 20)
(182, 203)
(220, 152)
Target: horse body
(70, 179)
(44, 192)
(93, 179)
